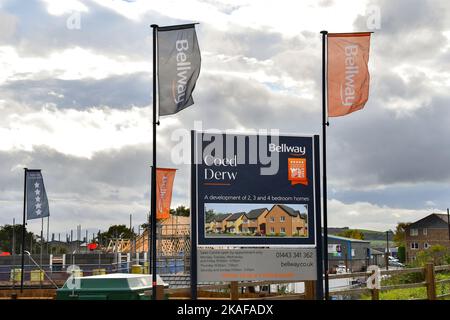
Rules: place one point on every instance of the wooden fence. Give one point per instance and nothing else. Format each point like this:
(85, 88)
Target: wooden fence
(430, 282)
(231, 290)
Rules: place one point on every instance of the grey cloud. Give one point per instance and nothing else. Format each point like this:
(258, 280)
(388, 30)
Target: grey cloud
(101, 29)
(406, 196)
(115, 92)
(82, 190)
(410, 30)
(225, 102)
(253, 43)
(377, 147)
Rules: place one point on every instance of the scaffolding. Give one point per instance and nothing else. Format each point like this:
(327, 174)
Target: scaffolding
(173, 236)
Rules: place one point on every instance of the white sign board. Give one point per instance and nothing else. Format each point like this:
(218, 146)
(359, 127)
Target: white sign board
(256, 264)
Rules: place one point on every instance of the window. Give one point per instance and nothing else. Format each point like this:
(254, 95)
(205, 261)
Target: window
(282, 219)
(283, 230)
(425, 231)
(272, 219)
(414, 232)
(414, 245)
(272, 230)
(426, 245)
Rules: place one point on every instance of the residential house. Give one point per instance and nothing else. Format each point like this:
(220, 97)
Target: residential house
(254, 221)
(283, 220)
(218, 223)
(426, 232)
(234, 223)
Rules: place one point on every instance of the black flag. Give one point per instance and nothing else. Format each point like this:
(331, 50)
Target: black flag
(178, 67)
(36, 197)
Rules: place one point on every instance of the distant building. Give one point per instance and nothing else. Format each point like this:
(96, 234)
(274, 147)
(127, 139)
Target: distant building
(254, 221)
(426, 232)
(218, 223)
(355, 254)
(282, 219)
(377, 257)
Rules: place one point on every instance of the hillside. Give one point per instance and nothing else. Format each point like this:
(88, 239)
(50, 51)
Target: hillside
(370, 235)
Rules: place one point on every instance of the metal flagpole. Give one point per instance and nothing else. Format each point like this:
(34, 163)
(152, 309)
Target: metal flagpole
(153, 187)
(42, 240)
(324, 157)
(23, 228)
(13, 249)
(48, 233)
(149, 239)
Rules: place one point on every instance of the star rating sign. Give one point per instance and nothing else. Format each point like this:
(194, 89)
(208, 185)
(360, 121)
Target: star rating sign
(38, 204)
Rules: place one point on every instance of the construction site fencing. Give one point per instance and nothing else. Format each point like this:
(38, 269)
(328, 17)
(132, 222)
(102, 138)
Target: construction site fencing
(48, 276)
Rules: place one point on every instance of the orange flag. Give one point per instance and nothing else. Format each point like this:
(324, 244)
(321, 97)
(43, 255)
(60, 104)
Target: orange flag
(348, 73)
(164, 186)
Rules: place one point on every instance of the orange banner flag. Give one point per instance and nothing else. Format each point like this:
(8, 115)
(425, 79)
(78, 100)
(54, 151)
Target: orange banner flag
(164, 186)
(348, 72)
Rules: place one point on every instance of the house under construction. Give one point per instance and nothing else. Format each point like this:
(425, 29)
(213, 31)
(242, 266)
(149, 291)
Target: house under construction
(173, 236)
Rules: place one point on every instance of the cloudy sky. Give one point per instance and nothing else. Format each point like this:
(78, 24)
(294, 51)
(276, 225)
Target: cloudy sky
(75, 101)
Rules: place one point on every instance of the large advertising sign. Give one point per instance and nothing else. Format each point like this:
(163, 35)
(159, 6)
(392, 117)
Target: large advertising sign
(255, 189)
(255, 202)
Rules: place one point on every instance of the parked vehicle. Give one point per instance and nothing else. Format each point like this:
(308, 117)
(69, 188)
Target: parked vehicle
(396, 264)
(341, 269)
(392, 259)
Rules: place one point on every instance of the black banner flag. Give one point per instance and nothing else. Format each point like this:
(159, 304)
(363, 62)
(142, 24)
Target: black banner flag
(178, 67)
(37, 202)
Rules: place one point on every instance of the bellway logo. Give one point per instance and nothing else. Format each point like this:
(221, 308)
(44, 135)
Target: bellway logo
(285, 148)
(183, 66)
(351, 71)
(162, 193)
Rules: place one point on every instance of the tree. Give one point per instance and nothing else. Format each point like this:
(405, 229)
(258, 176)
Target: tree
(437, 254)
(209, 215)
(401, 254)
(352, 233)
(399, 234)
(116, 232)
(181, 211)
(6, 236)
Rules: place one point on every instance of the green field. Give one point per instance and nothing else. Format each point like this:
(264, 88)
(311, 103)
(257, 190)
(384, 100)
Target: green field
(411, 293)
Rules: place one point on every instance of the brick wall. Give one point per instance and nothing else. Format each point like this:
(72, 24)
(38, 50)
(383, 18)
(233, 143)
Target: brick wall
(433, 236)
